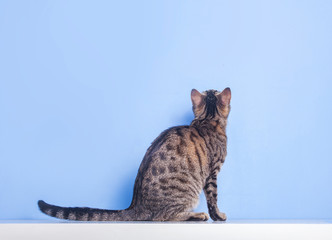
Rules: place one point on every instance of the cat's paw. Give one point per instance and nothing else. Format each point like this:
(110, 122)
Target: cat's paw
(202, 216)
(218, 216)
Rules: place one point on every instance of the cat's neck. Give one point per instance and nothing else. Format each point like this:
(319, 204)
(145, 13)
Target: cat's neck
(215, 125)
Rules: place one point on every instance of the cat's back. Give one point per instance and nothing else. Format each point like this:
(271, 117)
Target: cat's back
(178, 143)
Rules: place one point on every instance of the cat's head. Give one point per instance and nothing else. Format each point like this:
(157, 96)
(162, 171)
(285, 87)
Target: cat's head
(211, 104)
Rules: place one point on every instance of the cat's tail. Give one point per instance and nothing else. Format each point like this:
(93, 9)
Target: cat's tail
(87, 214)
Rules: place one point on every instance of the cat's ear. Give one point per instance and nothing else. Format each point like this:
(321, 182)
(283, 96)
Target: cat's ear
(196, 97)
(225, 96)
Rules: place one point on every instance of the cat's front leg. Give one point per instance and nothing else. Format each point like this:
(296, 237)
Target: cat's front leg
(211, 195)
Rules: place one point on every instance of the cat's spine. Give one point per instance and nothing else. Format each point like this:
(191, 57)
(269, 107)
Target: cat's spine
(86, 214)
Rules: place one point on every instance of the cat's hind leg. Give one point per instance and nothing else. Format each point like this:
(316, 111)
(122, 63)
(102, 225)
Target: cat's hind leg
(192, 216)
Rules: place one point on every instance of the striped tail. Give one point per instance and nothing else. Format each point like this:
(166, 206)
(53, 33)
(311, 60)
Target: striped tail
(86, 214)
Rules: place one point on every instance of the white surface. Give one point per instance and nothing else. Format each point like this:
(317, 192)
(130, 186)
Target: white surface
(241, 229)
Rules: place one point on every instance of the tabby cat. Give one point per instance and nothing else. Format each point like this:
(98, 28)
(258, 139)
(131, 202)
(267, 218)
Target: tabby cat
(180, 163)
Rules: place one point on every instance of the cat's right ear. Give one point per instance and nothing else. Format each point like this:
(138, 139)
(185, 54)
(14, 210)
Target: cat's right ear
(196, 97)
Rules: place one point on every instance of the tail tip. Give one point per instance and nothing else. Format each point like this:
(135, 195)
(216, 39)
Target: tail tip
(41, 204)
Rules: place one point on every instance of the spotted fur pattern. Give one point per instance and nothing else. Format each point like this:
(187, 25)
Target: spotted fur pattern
(178, 165)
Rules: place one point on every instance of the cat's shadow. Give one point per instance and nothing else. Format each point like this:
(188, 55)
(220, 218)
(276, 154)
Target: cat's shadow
(186, 118)
(124, 196)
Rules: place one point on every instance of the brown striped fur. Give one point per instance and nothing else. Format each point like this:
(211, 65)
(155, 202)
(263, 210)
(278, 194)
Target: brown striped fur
(180, 163)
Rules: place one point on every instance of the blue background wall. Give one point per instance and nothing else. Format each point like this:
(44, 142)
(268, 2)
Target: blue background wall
(85, 87)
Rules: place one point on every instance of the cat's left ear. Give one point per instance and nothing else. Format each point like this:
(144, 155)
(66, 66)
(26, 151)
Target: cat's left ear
(196, 97)
(225, 96)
